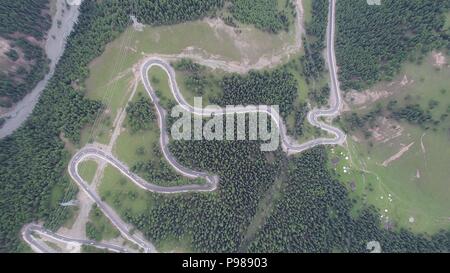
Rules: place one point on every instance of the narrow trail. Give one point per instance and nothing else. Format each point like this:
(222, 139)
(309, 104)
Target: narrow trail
(212, 181)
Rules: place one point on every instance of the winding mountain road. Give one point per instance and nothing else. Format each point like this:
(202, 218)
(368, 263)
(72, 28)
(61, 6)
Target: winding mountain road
(212, 181)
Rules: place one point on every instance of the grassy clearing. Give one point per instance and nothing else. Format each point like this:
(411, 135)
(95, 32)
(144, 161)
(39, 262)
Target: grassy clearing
(111, 66)
(114, 97)
(87, 170)
(307, 9)
(160, 82)
(110, 82)
(66, 216)
(429, 83)
(60, 194)
(102, 225)
(413, 190)
(403, 199)
(128, 143)
(212, 90)
(122, 194)
(185, 91)
(205, 38)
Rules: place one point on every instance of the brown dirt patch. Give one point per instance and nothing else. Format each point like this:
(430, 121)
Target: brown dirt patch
(386, 130)
(369, 96)
(359, 100)
(398, 155)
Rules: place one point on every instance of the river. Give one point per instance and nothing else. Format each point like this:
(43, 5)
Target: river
(54, 48)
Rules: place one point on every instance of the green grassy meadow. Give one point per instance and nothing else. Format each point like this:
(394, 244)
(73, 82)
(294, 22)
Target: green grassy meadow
(87, 170)
(102, 224)
(121, 193)
(412, 191)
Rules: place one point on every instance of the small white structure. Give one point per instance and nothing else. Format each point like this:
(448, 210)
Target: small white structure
(374, 2)
(71, 203)
(73, 2)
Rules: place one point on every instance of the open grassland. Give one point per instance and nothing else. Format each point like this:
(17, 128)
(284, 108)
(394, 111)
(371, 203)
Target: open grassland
(212, 89)
(87, 170)
(129, 143)
(402, 168)
(114, 95)
(427, 83)
(210, 38)
(160, 82)
(307, 7)
(101, 226)
(122, 194)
